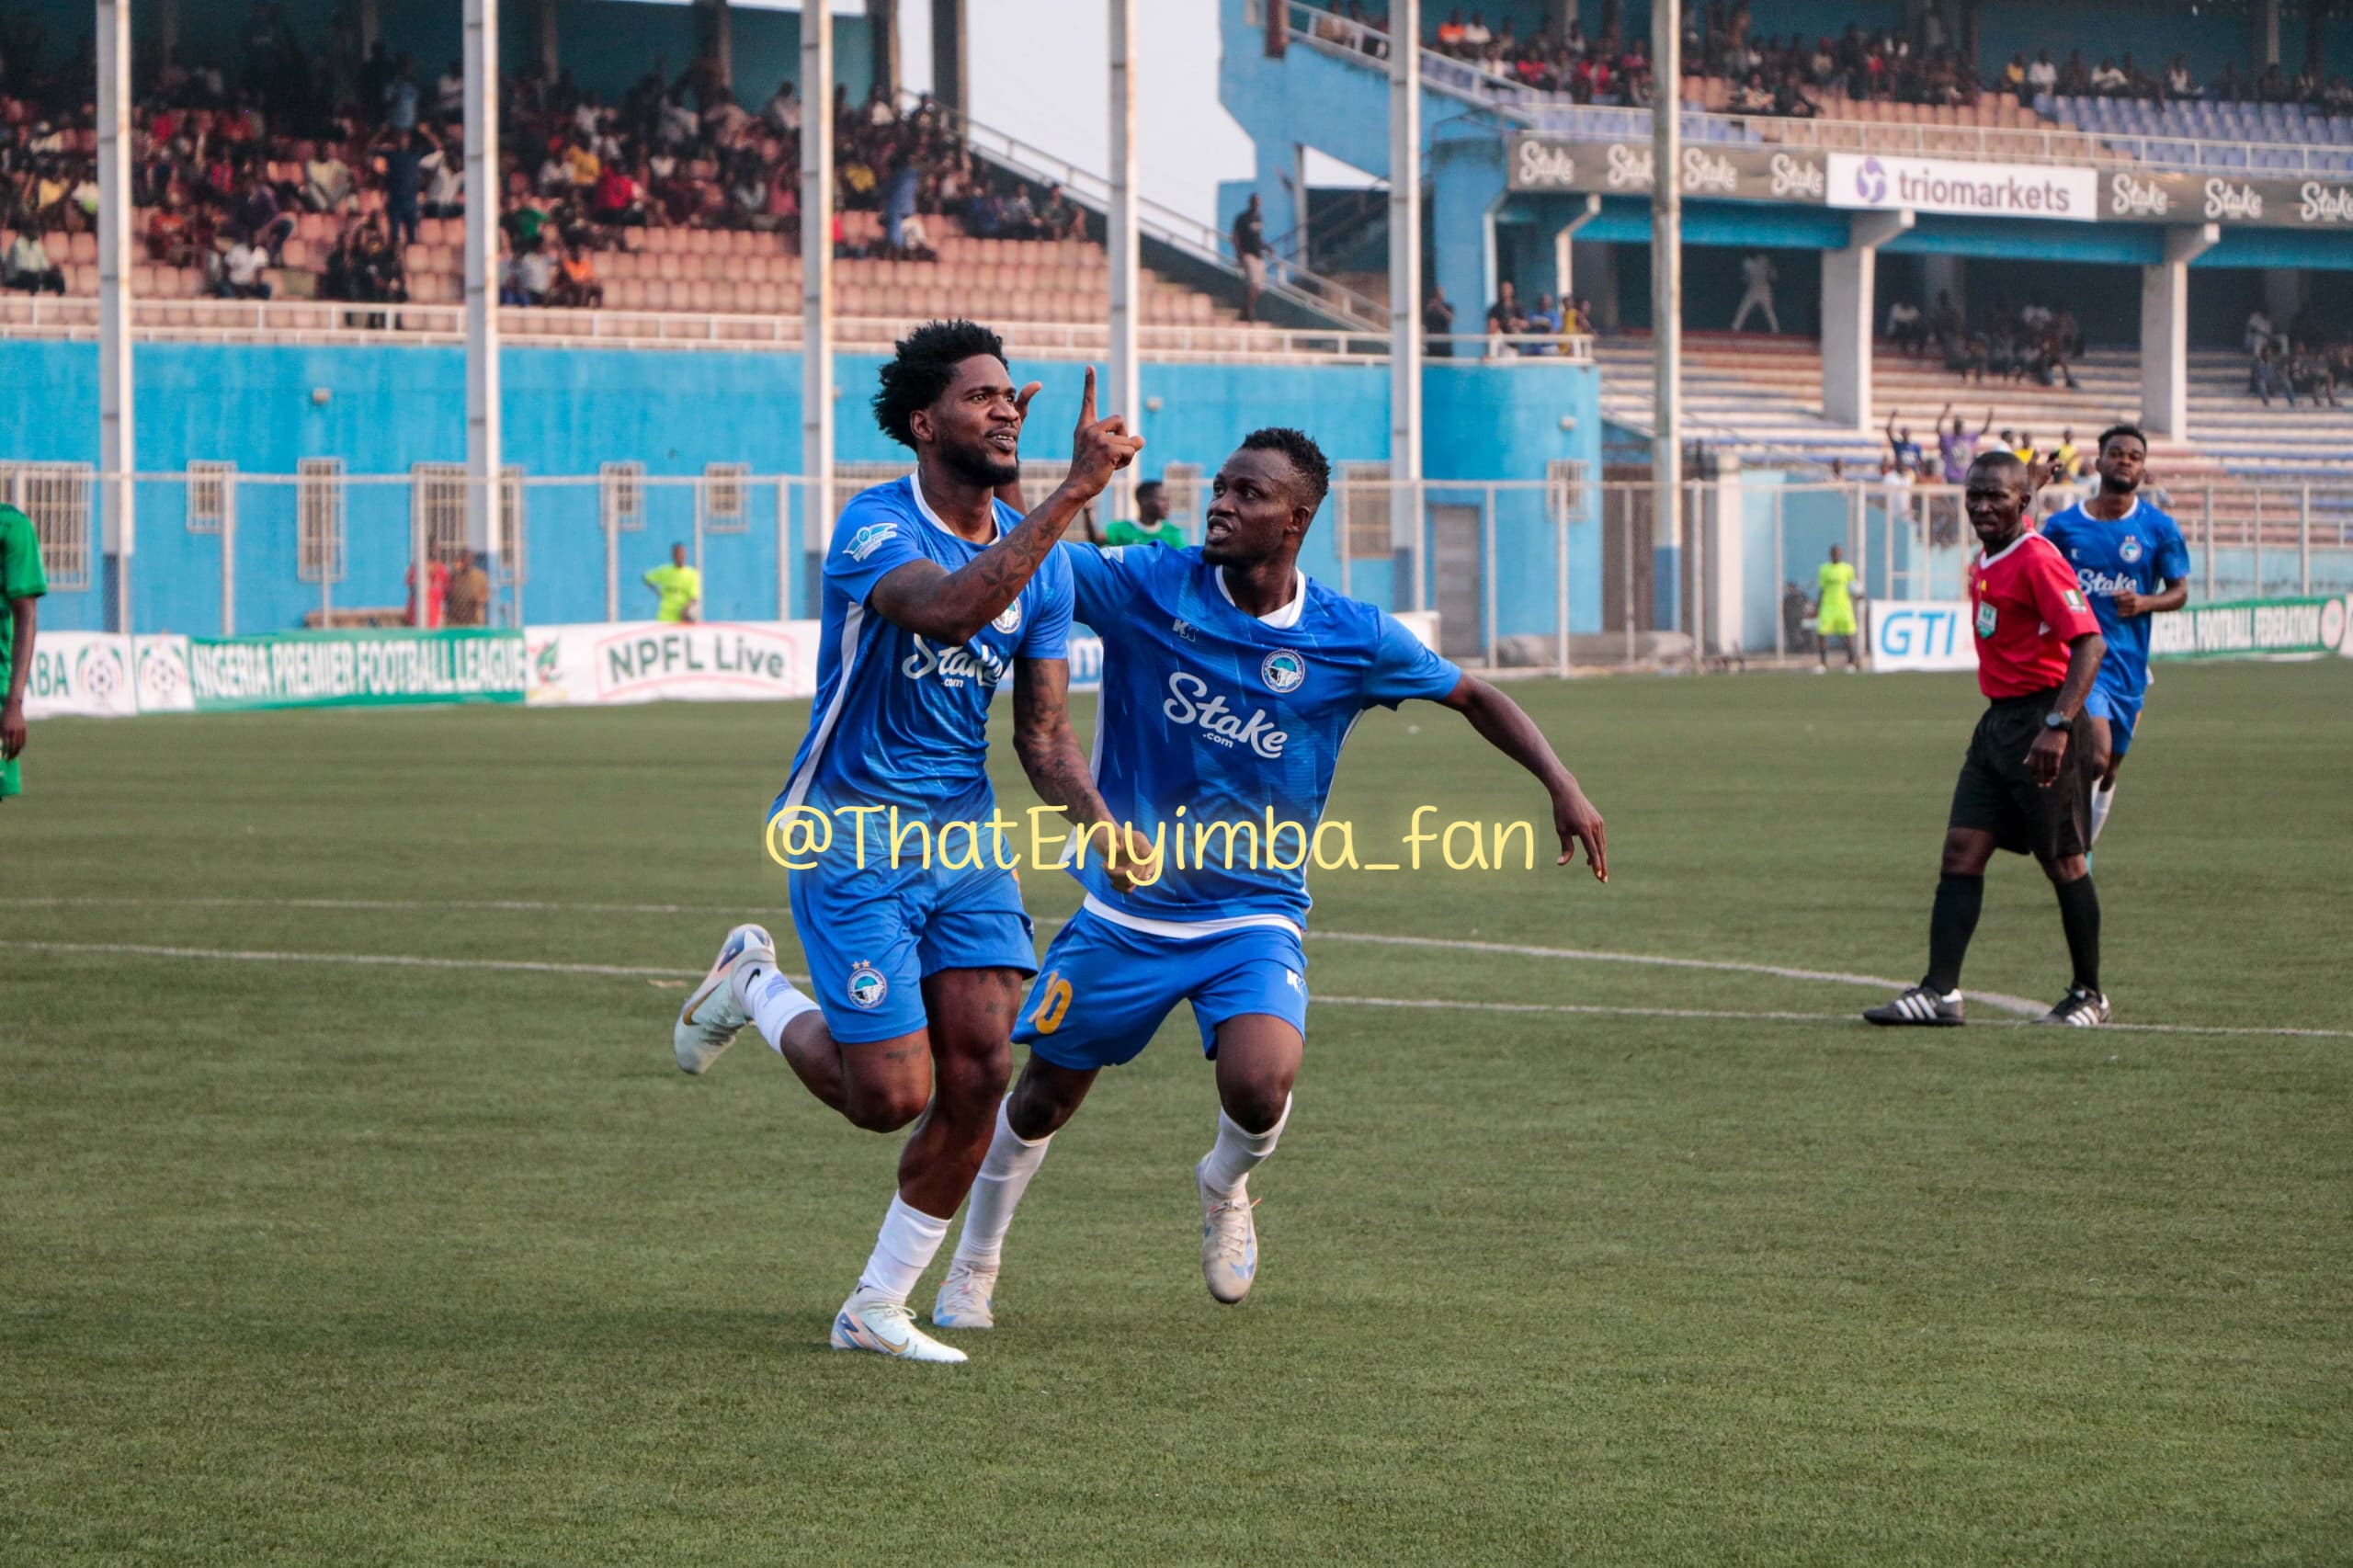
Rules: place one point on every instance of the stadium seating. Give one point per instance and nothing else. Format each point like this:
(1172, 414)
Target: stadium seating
(737, 272)
(2254, 138)
(1760, 397)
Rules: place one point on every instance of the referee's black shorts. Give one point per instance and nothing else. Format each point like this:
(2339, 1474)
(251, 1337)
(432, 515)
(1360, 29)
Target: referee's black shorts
(1996, 792)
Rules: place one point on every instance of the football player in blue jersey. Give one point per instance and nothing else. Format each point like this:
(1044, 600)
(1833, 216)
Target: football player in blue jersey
(934, 591)
(1229, 683)
(2132, 564)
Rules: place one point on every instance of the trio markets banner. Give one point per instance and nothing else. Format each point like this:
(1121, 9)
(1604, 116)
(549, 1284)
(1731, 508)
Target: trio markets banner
(1936, 636)
(1885, 182)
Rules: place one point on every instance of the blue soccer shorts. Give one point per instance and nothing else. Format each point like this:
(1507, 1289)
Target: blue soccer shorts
(2120, 708)
(873, 935)
(1104, 988)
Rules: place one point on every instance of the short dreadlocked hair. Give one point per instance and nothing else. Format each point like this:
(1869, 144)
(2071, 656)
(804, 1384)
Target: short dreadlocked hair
(922, 368)
(1307, 459)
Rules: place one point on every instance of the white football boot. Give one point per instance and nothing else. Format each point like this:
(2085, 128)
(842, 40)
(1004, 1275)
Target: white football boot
(886, 1328)
(714, 1013)
(966, 1296)
(1228, 1240)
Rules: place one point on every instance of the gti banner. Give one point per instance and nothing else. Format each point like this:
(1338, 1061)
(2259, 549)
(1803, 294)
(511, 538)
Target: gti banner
(1920, 636)
(2252, 629)
(354, 669)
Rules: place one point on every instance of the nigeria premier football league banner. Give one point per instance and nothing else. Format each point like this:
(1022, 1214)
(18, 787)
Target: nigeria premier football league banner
(355, 670)
(2252, 629)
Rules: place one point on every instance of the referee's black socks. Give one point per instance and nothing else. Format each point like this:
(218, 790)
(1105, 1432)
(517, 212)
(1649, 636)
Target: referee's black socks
(2080, 914)
(1953, 922)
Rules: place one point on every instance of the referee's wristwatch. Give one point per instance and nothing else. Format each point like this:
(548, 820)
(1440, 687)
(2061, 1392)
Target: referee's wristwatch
(2054, 720)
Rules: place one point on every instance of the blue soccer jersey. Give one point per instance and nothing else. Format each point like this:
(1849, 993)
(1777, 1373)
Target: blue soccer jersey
(899, 721)
(2141, 552)
(1211, 718)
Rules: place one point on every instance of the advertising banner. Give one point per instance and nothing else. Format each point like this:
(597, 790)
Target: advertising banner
(661, 661)
(2252, 629)
(1920, 636)
(84, 674)
(347, 669)
(1884, 182)
(1609, 168)
(2150, 197)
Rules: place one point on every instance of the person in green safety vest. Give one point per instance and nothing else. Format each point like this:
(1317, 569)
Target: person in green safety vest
(681, 586)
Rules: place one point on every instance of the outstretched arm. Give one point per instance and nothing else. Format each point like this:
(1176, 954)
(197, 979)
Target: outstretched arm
(1057, 768)
(1506, 726)
(952, 606)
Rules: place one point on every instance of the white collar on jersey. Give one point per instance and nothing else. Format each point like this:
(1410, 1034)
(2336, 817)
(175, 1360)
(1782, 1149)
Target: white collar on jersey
(914, 483)
(1282, 620)
(2131, 512)
(1985, 560)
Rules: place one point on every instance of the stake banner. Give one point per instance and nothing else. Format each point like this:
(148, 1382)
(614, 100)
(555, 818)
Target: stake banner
(664, 661)
(2253, 629)
(355, 670)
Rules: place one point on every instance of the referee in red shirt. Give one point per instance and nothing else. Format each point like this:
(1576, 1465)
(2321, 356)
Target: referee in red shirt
(2026, 784)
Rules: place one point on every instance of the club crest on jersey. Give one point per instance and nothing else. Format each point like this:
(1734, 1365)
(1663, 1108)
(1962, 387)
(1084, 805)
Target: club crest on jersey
(1284, 671)
(1010, 620)
(1985, 618)
(863, 543)
(2129, 548)
(866, 986)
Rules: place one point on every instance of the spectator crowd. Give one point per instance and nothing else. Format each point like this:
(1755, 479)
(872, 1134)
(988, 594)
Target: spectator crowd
(227, 161)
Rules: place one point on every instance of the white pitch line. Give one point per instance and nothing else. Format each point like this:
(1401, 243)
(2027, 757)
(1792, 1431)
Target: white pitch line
(411, 960)
(2015, 1004)
(2023, 1006)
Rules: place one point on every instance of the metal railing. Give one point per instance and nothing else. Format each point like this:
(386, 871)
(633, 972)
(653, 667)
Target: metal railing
(1286, 279)
(325, 321)
(1557, 572)
(1554, 113)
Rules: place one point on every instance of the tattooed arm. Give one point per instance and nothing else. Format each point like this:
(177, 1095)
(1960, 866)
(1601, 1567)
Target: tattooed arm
(952, 606)
(1050, 754)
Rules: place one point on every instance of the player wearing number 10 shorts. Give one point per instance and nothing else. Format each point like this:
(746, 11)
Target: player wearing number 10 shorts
(1229, 684)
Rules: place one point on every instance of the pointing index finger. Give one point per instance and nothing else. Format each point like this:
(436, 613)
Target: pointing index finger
(1087, 399)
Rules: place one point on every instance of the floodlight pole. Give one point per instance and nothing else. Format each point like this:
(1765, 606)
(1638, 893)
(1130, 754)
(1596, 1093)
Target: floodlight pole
(485, 521)
(1410, 588)
(1127, 377)
(1666, 280)
(117, 460)
(816, 277)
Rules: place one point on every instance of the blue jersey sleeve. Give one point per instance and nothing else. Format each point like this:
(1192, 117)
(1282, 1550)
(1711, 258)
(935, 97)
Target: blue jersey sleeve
(1402, 667)
(1046, 625)
(2173, 554)
(1102, 581)
(871, 542)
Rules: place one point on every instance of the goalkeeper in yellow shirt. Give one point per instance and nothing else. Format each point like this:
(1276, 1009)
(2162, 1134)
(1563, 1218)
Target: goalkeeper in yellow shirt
(1835, 610)
(681, 586)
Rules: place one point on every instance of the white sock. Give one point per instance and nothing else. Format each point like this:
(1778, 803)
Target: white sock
(1236, 1152)
(2103, 797)
(909, 1241)
(771, 999)
(996, 1191)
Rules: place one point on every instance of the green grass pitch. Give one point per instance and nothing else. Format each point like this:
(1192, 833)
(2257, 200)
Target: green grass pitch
(332, 1263)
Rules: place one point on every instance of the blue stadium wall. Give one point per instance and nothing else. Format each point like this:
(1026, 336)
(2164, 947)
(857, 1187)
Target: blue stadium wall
(566, 411)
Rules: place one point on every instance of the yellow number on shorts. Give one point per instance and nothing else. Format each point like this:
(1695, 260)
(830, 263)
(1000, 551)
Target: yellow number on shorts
(1049, 1016)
